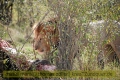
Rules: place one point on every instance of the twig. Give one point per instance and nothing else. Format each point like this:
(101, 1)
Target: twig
(11, 38)
(34, 52)
(53, 51)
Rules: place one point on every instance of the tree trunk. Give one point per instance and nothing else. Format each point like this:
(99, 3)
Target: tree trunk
(6, 11)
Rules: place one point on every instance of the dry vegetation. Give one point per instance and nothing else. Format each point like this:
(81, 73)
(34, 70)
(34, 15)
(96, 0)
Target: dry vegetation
(78, 46)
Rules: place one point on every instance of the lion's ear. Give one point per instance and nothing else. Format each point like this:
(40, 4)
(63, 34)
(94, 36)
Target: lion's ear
(37, 28)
